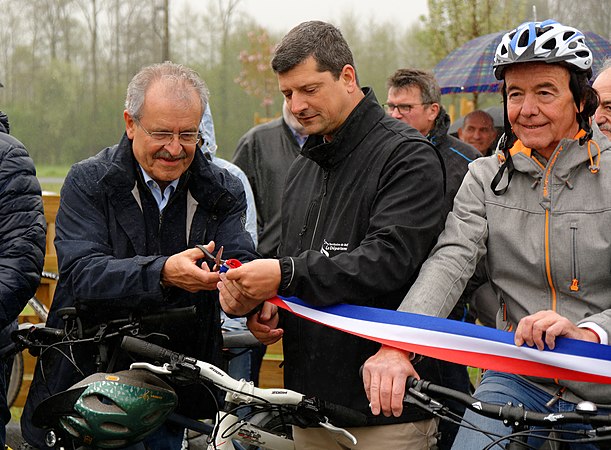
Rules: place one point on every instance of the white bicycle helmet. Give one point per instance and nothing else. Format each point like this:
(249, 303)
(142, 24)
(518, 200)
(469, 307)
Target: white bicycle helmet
(547, 41)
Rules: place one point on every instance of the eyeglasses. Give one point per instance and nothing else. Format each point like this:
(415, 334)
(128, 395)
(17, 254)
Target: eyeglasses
(405, 108)
(165, 137)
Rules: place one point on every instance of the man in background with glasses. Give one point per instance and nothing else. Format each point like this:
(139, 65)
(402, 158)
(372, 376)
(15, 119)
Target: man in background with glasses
(127, 226)
(414, 97)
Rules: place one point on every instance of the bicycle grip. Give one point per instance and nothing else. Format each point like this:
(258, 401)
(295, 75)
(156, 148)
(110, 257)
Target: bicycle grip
(148, 350)
(343, 414)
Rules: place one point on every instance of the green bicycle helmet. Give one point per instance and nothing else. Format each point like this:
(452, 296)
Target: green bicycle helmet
(109, 410)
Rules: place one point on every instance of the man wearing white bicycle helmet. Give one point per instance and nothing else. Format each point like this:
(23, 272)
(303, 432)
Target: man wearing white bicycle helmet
(541, 213)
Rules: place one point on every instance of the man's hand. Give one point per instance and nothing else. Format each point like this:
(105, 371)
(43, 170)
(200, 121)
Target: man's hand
(547, 326)
(242, 289)
(181, 270)
(384, 377)
(263, 324)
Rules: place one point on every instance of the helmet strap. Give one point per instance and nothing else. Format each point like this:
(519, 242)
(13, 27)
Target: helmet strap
(584, 122)
(507, 141)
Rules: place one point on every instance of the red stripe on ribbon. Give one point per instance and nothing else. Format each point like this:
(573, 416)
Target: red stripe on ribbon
(474, 359)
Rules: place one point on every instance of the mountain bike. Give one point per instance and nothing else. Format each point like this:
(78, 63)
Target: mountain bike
(271, 411)
(427, 395)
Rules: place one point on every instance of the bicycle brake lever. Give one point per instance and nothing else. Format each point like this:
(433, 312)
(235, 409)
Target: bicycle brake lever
(416, 397)
(337, 430)
(161, 370)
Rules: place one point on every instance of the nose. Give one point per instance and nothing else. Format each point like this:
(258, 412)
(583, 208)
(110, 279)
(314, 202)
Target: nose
(600, 117)
(174, 146)
(297, 104)
(530, 106)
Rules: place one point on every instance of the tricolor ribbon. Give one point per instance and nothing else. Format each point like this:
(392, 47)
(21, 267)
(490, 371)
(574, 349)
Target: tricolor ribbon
(461, 342)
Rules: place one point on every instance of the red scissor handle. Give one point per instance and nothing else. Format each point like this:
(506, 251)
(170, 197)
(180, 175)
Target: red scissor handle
(230, 264)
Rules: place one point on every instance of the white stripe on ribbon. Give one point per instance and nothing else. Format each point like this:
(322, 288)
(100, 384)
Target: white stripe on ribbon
(452, 346)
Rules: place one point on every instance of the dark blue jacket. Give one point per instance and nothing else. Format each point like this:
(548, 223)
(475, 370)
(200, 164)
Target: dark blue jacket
(22, 240)
(112, 243)
(22, 228)
(456, 156)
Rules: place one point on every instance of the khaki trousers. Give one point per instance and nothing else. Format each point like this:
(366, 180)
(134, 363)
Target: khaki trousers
(409, 436)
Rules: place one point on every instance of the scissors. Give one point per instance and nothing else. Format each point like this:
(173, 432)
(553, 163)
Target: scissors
(220, 265)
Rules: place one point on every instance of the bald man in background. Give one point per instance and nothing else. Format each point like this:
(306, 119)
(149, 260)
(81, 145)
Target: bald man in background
(602, 84)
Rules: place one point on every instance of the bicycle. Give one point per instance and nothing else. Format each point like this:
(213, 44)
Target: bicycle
(519, 418)
(273, 410)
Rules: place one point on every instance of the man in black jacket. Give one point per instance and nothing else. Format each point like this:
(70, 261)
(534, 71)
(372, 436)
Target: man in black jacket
(127, 226)
(22, 245)
(361, 209)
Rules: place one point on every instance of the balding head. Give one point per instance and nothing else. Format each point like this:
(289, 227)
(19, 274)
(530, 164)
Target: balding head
(602, 85)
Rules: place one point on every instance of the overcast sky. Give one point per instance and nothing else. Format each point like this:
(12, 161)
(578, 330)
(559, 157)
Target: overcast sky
(282, 15)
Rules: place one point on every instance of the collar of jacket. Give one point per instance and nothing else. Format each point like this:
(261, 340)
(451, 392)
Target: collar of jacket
(571, 154)
(203, 182)
(440, 127)
(359, 123)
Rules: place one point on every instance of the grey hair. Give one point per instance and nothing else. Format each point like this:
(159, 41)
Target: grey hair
(176, 74)
(405, 78)
(321, 40)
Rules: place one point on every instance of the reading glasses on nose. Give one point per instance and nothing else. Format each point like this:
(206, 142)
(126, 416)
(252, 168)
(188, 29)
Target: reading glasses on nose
(165, 137)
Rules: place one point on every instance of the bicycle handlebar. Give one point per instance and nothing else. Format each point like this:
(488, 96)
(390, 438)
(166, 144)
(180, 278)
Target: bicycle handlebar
(515, 414)
(306, 406)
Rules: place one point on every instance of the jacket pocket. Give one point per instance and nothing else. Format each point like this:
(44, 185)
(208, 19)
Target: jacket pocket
(574, 260)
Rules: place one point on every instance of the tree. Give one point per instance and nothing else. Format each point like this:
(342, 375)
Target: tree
(256, 76)
(452, 23)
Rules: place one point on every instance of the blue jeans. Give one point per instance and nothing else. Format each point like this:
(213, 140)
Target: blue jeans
(500, 388)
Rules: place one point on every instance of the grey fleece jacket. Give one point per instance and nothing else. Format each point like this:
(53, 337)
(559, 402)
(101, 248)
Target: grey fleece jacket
(548, 241)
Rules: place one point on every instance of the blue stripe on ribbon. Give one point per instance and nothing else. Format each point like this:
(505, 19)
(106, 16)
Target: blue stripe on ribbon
(563, 345)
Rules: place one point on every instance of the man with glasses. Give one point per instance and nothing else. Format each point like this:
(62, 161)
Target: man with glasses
(414, 97)
(127, 226)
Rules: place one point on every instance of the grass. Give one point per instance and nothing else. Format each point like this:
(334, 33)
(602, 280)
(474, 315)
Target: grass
(49, 176)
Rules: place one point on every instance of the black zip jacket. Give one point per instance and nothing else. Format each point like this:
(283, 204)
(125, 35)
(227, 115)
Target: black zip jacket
(360, 215)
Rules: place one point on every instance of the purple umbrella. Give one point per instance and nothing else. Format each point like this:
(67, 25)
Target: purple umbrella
(469, 68)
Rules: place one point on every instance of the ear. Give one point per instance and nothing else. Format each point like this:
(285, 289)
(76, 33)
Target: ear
(460, 134)
(130, 125)
(348, 77)
(434, 110)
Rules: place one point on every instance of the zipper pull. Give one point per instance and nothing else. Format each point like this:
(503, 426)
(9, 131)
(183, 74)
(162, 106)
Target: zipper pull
(575, 285)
